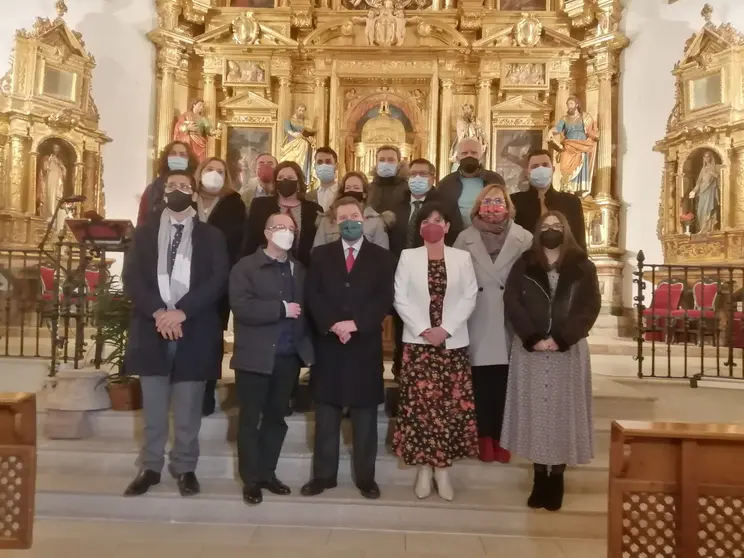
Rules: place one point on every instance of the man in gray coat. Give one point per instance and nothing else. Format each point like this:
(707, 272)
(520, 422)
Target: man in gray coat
(272, 342)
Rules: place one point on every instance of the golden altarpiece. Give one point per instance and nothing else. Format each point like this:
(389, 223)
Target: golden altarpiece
(701, 212)
(289, 75)
(50, 143)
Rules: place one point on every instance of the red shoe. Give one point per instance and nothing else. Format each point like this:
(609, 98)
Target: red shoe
(501, 455)
(486, 447)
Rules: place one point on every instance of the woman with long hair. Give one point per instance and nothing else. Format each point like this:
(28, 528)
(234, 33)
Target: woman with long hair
(218, 204)
(353, 185)
(176, 156)
(552, 300)
(494, 243)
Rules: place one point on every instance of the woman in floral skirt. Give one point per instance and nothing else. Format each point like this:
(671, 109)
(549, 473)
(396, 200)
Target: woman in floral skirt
(435, 293)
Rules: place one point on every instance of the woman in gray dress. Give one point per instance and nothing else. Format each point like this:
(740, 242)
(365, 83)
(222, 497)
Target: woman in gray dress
(552, 300)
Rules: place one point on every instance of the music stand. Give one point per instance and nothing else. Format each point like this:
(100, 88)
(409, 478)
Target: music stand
(101, 233)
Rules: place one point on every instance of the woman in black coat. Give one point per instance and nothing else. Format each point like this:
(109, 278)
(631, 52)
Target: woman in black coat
(218, 204)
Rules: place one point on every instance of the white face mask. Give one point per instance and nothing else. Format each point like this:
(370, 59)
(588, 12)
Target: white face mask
(212, 181)
(283, 239)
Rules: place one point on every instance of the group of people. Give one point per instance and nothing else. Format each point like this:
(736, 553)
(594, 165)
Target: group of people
(492, 298)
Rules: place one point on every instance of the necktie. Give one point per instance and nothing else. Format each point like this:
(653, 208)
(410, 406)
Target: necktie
(411, 231)
(177, 236)
(350, 260)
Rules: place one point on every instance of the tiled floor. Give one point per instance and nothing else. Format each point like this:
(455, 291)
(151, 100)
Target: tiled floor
(66, 539)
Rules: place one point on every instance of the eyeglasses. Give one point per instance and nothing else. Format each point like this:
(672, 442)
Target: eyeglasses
(493, 201)
(555, 227)
(281, 228)
(425, 174)
(184, 187)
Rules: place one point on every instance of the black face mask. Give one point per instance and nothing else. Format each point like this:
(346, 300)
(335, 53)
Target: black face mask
(470, 165)
(178, 201)
(358, 196)
(551, 239)
(287, 188)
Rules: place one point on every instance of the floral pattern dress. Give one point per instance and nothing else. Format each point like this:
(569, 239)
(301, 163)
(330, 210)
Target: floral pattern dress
(436, 413)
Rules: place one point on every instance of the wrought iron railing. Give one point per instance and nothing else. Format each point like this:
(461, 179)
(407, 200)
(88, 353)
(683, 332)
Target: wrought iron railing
(47, 302)
(689, 321)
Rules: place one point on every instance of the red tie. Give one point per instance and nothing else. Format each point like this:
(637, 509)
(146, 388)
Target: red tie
(350, 260)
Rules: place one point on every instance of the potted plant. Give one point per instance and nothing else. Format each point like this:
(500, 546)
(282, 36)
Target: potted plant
(687, 219)
(112, 310)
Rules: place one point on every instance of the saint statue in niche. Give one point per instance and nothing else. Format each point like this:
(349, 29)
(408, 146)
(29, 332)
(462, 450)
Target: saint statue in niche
(193, 128)
(468, 126)
(706, 194)
(50, 182)
(299, 141)
(578, 148)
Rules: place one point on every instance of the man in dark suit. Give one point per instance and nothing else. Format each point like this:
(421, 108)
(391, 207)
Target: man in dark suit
(289, 198)
(272, 342)
(349, 290)
(542, 197)
(175, 273)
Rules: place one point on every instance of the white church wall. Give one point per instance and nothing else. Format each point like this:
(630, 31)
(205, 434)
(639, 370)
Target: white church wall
(114, 32)
(657, 32)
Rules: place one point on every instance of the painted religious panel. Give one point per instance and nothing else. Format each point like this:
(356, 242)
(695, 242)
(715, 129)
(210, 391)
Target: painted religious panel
(511, 150)
(523, 5)
(252, 3)
(244, 145)
(706, 91)
(246, 72)
(59, 83)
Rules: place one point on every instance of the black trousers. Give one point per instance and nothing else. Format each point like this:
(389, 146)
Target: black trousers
(328, 442)
(489, 387)
(398, 333)
(263, 400)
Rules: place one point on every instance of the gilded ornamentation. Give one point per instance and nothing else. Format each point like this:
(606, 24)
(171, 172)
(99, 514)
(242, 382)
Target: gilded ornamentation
(528, 31)
(246, 29)
(470, 21)
(385, 25)
(525, 74)
(64, 120)
(6, 82)
(246, 72)
(517, 122)
(302, 19)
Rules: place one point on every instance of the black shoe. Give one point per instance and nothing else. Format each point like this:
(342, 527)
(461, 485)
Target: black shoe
(144, 480)
(187, 484)
(290, 409)
(252, 494)
(275, 486)
(318, 486)
(369, 490)
(539, 490)
(554, 492)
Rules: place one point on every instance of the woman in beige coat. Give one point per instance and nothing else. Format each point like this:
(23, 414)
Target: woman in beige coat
(353, 184)
(494, 242)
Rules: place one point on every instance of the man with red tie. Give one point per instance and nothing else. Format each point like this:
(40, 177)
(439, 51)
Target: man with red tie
(348, 292)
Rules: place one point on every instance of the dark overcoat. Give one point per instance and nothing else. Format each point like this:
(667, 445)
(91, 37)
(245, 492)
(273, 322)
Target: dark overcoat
(528, 210)
(199, 353)
(349, 375)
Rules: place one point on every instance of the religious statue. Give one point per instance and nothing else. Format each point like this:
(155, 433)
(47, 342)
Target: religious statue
(299, 141)
(468, 126)
(50, 182)
(351, 97)
(706, 195)
(193, 129)
(385, 24)
(578, 148)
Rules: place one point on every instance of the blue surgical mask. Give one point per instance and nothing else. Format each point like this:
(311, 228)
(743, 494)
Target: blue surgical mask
(541, 177)
(350, 230)
(418, 185)
(386, 170)
(177, 163)
(326, 173)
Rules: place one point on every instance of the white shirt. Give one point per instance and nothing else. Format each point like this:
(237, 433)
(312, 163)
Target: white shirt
(326, 195)
(354, 247)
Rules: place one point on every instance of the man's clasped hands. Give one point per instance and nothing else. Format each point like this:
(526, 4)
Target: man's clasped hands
(168, 323)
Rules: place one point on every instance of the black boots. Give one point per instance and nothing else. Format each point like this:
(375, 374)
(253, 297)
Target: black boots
(547, 489)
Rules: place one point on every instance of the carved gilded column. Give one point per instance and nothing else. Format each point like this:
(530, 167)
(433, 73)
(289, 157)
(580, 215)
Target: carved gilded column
(333, 122)
(168, 58)
(283, 112)
(91, 174)
(445, 136)
(604, 149)
(3, 143)
(561, 97)
(668, 202)
(319, 102)
(210, 108)
(738, 181)
(19, 155)
(484, 110)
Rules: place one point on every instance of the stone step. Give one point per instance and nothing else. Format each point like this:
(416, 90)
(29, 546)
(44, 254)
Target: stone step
(218, 460)
(499, 511)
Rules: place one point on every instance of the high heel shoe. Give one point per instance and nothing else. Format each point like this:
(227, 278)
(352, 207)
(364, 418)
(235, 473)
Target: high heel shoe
(444, 486)
(422, 488)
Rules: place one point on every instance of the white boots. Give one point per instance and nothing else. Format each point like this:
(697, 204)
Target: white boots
(424, 479)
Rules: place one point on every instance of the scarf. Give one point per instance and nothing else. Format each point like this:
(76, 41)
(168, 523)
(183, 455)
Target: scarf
(492, 234)
(203, 211)
(173, 288)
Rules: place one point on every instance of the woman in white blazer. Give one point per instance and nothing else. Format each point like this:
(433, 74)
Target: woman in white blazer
(435, 293)
(494, 242)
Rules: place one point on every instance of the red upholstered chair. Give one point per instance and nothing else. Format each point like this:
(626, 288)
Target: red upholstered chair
(702, 318)
(46, 274)
(666, 299)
